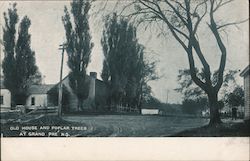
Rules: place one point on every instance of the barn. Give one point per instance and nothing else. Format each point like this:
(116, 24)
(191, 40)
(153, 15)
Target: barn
(245, 74)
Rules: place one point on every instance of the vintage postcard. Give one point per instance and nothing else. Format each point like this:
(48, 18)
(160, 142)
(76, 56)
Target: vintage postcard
(124, 68)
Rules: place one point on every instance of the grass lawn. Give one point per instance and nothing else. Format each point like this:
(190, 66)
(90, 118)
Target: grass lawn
(137, 125)
(119, 125)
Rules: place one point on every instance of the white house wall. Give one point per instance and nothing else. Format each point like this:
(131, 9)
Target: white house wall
(6, 98)
(40, 100)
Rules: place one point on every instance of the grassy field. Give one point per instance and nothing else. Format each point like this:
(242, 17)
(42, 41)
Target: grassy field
(136, 125)
(102, 125)
(120, 126)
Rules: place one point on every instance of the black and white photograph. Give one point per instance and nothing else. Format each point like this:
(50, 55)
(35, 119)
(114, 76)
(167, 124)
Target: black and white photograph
(124, 68)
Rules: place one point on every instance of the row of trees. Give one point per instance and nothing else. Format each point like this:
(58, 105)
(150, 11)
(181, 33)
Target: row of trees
(19, 63)
(183, 19)
(125, 69)
(195, 99)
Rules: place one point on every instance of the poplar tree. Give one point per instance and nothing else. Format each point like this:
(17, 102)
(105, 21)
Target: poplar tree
(19, 63)
(25, 59)
(125, 70)
(78, 46)
(9, 36)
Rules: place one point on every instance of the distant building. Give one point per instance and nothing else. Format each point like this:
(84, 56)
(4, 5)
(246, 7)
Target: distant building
(38, 96)
(150, 111)
(245, 74)
(5, 97)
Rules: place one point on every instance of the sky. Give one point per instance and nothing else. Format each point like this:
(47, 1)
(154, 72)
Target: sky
(47, 33)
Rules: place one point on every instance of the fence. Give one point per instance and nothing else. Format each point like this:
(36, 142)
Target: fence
(124, 109)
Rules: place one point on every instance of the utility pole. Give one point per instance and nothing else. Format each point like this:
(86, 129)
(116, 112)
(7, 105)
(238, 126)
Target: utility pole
(60, 90)
(1, 44)
(167, 96)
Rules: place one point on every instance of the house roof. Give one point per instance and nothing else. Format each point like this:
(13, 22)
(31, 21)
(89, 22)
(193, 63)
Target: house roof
(87, 78)
(245, 72)
(40, 89)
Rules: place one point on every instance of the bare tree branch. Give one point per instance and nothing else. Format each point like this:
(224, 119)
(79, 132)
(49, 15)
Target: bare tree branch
(177, 13)
(199, 18)
(221, 4)
(232, 23)
(222, 47)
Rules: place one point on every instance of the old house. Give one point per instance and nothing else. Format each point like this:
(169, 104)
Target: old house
(38, 96)
(245, 74)
(97, 95)
(5, 97)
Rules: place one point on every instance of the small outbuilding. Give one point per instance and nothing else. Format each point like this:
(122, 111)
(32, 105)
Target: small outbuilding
(150, 111)
(245, 74)
(38, 96)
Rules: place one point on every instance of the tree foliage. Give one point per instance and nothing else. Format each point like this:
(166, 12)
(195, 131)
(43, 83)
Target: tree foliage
(190, 90)
(194, 106)
(78, 46)
(19, 63)
(125, 69)
(9, 36)
(25, 57)
(194, 97)
(235, 98)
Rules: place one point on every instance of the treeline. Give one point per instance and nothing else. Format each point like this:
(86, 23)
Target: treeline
(194, 98)
(165, 108)
(126, 71)
(19, 63)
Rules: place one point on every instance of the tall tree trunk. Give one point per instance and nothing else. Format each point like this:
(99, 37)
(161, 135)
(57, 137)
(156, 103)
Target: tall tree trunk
(214, 109)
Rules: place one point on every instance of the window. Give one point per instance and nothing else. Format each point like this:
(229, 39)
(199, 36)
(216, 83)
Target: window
(1, 100)
(32, 100)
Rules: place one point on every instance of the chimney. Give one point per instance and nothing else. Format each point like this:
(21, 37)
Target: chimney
(93, 76)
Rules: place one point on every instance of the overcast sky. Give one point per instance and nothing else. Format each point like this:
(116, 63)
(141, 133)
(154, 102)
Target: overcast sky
(48, 33)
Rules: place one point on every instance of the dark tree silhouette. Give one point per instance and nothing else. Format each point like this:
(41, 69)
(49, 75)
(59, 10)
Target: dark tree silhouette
(125, 69)
(79, 46)
(183, 19)
(25, 58)
(236, 98)
(19, 64)
(9, 36)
